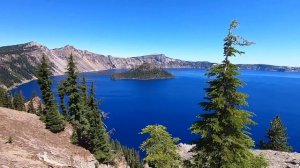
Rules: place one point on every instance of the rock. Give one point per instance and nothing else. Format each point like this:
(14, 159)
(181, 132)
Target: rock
(3, 87)
(36, 102)
(276, 159)
(279, 159)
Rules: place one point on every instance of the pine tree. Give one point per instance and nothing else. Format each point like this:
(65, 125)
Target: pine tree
(7, 101)
(44, 81)
(100, 139)
(83, 90)
(61, 94)
(53, 119)
(71, 89)
(3, 100)
(18, 102)
(277, 137)
(33, 95)
(89, 130)
(160, 147)
(132, 156)
(224, 139)
(51, 116)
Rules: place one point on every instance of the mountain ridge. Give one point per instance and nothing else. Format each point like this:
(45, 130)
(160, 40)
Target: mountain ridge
(18, 62)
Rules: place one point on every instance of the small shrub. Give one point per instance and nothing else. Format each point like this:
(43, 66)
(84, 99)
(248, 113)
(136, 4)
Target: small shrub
(9, 140)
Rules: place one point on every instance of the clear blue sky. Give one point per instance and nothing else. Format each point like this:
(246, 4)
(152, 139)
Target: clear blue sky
(185, 29)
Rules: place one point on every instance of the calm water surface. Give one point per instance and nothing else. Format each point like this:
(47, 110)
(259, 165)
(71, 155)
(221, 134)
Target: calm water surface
(133, 104)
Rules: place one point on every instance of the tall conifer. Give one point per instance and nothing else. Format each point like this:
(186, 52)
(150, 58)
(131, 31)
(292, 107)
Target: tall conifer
(223, 128)
(53, 119)
(18, 102)
(89, 130)
(61, 94)
(100, 139)
(71, 89)
(277, 137)
(2, 96)
(5, 98)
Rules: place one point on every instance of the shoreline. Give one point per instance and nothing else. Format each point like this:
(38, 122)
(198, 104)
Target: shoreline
(34, 78)
(19, 84)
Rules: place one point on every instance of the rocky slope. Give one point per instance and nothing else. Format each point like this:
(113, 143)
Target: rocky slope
(275, 159)
(18, 63)
(24, 142)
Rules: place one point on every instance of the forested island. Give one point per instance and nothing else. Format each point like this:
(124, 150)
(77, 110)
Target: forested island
(145, 71)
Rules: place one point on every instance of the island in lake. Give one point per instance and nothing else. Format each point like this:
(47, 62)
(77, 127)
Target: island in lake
(145, 71)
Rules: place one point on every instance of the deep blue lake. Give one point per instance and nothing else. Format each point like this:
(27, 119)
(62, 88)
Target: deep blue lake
(133, 104)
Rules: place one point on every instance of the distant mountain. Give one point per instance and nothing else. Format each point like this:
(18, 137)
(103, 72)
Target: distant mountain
(145, 71)
(18, 63)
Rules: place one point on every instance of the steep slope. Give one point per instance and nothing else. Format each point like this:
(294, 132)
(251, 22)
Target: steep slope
(18, 63)
(34, 146)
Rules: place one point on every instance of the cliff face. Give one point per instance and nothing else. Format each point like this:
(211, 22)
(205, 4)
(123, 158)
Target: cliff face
(18, 63)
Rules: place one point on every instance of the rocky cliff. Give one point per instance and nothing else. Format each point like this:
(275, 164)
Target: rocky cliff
(18, 63)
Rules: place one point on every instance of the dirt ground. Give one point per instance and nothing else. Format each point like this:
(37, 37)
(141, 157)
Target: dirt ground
(34, 146)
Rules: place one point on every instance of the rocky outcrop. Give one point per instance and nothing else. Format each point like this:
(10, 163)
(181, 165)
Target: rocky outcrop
(24, 142)
(34, 104)
(275, 159)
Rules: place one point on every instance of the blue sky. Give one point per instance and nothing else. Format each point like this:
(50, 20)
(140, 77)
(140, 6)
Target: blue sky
(184, 29)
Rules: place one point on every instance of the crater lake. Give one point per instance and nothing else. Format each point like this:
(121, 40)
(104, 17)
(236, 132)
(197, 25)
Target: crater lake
(133, 104)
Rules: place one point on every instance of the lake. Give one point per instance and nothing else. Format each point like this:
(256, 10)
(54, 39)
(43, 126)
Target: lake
(133, 104)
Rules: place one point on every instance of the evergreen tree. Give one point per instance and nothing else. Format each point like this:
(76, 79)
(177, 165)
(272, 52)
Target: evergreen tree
(224, 141)
(83, 90)
(89, 130)
(7, 101)
(18, 102)
(33, 95)
(61, 94)
(44, 81)
(132, 156)
(277, 137)
(71, 89)
(160, 147)
(53, 119)
(100, 139)
(2, 95)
